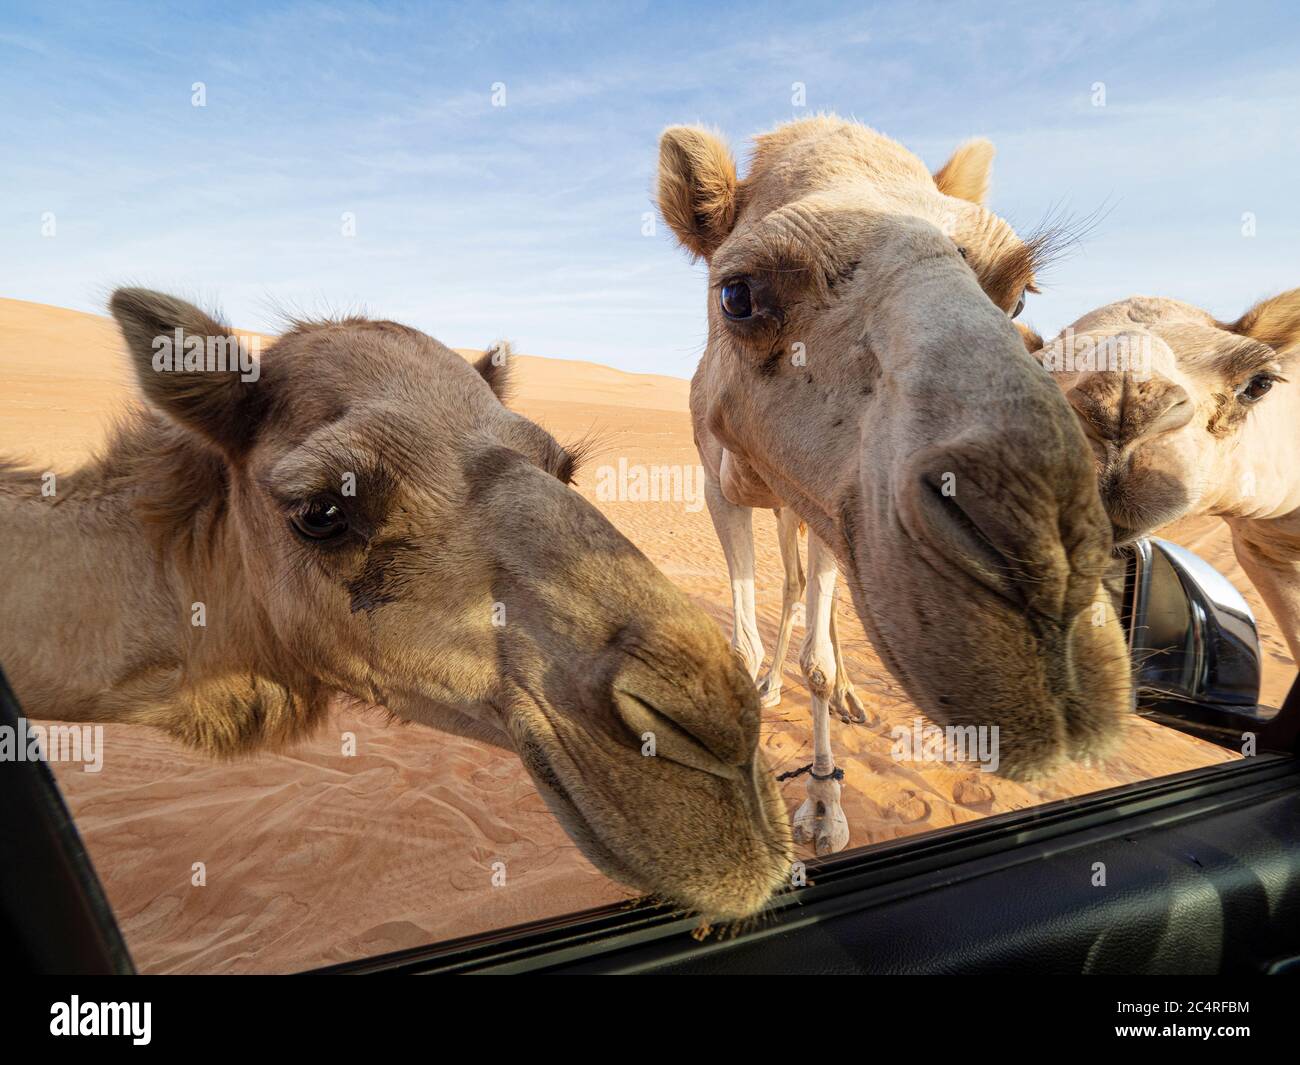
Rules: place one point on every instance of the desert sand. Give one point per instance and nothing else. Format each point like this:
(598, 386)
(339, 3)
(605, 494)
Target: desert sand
(311, 856)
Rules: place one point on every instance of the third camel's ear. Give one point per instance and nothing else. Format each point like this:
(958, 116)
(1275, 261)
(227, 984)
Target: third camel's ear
(1033, 342)
(191, 367)
(1274, 321)
(966, 174)
(494, 367)
(697, 188)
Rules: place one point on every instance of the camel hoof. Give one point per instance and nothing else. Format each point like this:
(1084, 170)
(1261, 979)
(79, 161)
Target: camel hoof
(802, 830)
(820, 820)
(851, 709)
(769, 692)
(827, 844)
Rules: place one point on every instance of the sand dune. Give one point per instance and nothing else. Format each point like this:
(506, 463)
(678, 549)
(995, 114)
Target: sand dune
(312, 856)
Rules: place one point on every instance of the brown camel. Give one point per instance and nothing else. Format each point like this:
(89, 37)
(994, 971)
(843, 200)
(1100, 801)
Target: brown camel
(366, 517)
(1190, 415)
(862, 368)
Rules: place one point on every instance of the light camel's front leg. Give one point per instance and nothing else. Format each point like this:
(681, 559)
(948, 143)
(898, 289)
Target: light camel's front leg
(735, 528)
(820, 820)
(787, 532)
(844, 701)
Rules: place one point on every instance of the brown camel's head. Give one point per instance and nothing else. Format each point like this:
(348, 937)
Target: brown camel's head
(861, 358)
(390, 530)
(1185, 413)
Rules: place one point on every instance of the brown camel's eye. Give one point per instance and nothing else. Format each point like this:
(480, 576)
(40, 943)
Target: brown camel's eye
(1257, 387)
(1020, 306)
(320, 519)
(736, 301)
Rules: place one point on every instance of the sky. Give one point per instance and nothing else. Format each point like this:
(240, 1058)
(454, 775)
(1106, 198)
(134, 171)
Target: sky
(529, 221)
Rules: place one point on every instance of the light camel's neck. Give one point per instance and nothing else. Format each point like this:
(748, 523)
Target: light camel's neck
(1256, 474)
(1261, 504)
(121, 599)
(1269, 552)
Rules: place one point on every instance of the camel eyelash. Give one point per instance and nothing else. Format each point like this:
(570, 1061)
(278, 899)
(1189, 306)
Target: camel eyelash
(1271, 375)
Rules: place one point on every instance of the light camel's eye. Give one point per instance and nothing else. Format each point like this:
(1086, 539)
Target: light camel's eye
(737, 303)
(1020, 304)
(1257, 387)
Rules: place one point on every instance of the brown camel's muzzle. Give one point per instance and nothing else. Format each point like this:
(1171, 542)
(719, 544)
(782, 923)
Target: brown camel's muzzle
(658, 780)
(628, 707)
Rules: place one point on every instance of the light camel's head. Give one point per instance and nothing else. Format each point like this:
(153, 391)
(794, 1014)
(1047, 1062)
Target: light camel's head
(862, 359)
(387, 528)
(1186, 414)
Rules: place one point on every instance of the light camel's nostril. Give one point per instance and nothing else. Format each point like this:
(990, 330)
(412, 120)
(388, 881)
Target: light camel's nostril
(963, 538)
(999, 517)
(1084, 406)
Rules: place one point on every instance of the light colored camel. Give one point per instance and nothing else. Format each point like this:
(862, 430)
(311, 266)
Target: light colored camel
(862, 369)
(366, 517)
(1190, 415)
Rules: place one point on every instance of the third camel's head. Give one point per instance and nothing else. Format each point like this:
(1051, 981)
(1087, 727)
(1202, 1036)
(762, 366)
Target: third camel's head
(1186, 414)
(862, 359)
(366, 516)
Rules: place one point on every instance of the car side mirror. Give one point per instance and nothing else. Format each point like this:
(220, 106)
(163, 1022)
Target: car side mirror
(1193, 642)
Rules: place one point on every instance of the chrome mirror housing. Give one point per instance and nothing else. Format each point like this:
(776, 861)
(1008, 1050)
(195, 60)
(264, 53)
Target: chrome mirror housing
(1193, 641)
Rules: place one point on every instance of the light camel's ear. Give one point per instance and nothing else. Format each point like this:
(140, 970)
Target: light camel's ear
(697, 188)
(1033, 342)
(1274, 321)
(494, 367)
(191, 367)
(966, 174)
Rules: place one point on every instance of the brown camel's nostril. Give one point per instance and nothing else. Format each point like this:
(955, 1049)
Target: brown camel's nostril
(701, 708)
(660, 736)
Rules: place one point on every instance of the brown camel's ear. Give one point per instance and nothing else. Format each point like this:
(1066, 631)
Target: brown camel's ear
(697, 188)
(1274, 321)
(494, 367)
(191, 367)
(1033, 342)
(966, 174)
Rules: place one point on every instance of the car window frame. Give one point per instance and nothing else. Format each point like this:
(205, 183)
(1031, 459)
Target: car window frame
(39, 836)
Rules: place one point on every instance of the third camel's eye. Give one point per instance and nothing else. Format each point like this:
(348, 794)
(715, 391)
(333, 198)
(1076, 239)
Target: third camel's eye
(736, 301)
(1257, 387)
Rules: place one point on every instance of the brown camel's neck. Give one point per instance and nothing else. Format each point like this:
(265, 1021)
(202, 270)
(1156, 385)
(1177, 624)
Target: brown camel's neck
(123, 596)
